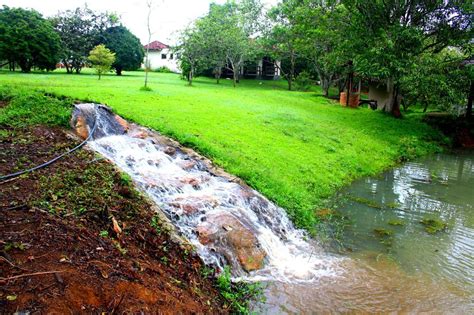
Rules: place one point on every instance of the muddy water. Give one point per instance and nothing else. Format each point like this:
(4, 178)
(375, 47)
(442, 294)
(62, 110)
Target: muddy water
(409, 270)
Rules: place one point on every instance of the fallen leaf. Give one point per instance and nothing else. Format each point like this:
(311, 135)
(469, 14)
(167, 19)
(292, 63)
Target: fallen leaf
(11, 297)
(117, 228)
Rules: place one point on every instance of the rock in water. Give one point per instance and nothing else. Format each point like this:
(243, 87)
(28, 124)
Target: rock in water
(228, 235)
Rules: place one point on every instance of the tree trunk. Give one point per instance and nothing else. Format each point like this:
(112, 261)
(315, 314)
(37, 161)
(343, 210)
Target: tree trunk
(469, 102)
(396, 103)
(119, 71)
(190, 76)
(292, 71)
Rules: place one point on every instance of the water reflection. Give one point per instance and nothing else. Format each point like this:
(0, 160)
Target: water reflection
(408, 269)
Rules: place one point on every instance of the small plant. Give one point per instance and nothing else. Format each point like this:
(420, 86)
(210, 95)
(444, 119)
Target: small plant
(155, 223)
(125, 179)
(146, 89)
(207, 271)
(122, 250)
(163, 69)
(365, 201)
(396, 222)
(104, 234)
(238, 295)
(433, 226)
(14, 245)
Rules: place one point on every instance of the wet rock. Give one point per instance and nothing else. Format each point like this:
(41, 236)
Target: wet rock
(190, 205)
(80, 127)
(187, 165)
(191, 181)
(87, 116)
(170, 151)
(122, 122)
(139, 134)
(228, 234)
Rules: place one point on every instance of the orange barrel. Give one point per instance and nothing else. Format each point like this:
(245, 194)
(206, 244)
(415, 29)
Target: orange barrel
(354, 100)
(343, 98)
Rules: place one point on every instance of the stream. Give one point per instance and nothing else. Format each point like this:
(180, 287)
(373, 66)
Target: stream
(395, 264)
(228, 223)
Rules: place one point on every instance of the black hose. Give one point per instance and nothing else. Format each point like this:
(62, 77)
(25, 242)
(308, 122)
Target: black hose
(10, 176)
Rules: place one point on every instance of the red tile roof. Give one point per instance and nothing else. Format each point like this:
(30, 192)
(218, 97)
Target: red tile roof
(156, 45)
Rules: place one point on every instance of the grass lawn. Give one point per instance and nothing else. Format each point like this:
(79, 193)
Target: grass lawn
(297, 148)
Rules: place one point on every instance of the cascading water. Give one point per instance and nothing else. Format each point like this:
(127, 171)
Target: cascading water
(226, 221)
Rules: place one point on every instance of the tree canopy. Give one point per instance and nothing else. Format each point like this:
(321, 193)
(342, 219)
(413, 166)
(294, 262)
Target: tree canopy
(128, 50)
(80, 30)
(27, 39)
(102, 59)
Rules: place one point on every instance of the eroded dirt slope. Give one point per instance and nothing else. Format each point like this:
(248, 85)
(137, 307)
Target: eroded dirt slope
(61, 251)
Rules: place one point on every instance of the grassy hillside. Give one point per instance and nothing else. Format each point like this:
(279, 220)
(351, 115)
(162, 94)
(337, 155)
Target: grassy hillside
(297, 148)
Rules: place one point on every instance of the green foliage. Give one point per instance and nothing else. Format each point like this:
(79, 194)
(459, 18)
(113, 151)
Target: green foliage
(128, 50)
(155, 223)
(163, 69)
(28, 39)
(104, 233)
(221, 39)
(80, 31)
(28, 108)
(396, 222)
(433, 225)
(438, 81)
(411, 147)
(125, 179)
(303, 82)
(238, 295)
(102, 59)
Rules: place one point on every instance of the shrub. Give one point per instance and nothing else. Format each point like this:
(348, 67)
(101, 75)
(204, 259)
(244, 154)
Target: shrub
(303, 81)
(163, 69)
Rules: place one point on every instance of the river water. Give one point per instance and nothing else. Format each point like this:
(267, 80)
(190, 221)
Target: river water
(408, 269)
(394, 264)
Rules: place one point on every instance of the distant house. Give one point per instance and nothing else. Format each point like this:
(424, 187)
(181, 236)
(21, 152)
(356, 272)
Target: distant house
(161, 55)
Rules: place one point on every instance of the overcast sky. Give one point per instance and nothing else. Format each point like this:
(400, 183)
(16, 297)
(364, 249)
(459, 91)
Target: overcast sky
(169, 16)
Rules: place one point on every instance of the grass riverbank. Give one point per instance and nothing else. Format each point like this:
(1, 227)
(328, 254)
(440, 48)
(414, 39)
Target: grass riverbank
(297, 148)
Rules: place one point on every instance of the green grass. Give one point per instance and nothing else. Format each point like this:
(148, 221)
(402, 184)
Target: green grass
(47, 111)
(297, 148)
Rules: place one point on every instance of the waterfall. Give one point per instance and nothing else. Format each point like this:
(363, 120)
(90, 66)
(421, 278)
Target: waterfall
(226, 221)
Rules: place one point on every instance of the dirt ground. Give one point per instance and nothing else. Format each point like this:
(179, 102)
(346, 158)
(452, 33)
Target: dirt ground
(75, 237)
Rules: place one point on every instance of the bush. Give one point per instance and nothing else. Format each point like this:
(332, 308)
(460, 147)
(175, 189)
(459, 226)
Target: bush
(303, 81)
(163, 69)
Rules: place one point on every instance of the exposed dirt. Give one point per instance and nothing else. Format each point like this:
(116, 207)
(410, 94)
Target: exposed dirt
(59, 221)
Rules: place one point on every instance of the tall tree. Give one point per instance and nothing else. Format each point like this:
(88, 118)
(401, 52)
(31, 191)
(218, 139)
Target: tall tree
(281, 39)
(389, 35)
(323, 39)
(28, 39)
(127, 48)
(80, 30)
(192, 52)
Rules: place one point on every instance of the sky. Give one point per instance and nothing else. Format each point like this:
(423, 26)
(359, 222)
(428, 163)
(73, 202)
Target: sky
(168, 16)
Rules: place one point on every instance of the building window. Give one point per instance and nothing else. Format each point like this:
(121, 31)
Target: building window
(163, 56)
(171, 56)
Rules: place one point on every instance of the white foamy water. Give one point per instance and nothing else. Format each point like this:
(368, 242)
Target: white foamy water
(189, 194)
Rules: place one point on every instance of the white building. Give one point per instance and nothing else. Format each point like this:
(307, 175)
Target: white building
(160, 55)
